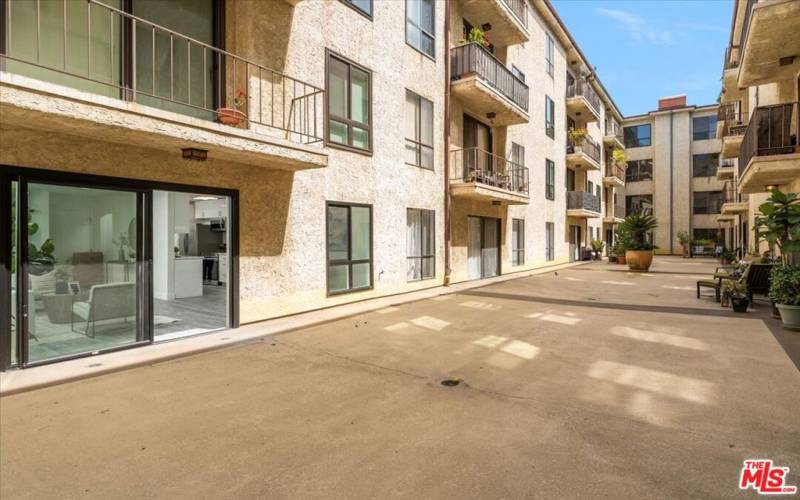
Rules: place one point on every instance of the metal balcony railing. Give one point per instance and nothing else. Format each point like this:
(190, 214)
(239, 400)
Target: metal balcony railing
(581, 200)
(727, 163)
(580, 87)
(585, 145)
(731, 195)
(733, 118)
(520, 10)
(473, 58)
(613, 129)
(728, 63)
(773, 130)
(483, 167)
(613, 170)
(141, 61)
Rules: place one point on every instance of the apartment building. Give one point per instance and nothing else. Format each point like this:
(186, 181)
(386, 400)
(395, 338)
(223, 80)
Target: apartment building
(169, 169)
(759, 122)
(673, 156)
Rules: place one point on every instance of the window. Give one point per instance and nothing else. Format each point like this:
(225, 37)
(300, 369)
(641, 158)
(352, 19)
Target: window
(637, 136)
(420, 26)
(549, 117)
(362, 6)
(349, 104)
(349, 245)
(589, 187)
(639, 170)
(710, 234)
(549, 179)
(549, 251)
(707, 202)
(549, 54)
(638, 203)
(597, 191)
(517, 242)
(419, 131)
(519, 74)
(705, 165)
(518, 154)
(704, 128)
(420, 248)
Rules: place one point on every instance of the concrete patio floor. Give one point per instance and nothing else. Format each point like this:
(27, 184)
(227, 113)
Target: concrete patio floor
(592, 382)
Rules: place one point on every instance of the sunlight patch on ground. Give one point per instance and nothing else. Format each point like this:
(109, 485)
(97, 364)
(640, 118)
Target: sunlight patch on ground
(397, 327)
(643, 406)
(430, 323)
(490, 341)
(387, 310)
(566, 319)
(673, 287)
(659, 338)
(570, 278)
(622, 283)
(505, 361)
(484, 306)
(521, 349)
(675, 386)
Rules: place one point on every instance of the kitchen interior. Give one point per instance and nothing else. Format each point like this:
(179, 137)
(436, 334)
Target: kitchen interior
(190, 263)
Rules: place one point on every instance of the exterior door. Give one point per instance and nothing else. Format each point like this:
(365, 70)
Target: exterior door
(477, 135)
(483, 249)
(574, 243)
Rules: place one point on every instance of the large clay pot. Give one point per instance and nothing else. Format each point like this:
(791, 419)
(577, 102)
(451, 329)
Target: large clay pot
(229, 116)
(639, 260)
(790, 315)
(621, 259)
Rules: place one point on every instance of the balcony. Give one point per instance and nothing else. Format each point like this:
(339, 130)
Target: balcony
(770, 155)
(769, 42)
(732, 202)
(140, 84)
(486, 87)
(731, 126)
(582, 204)
(582, 100)
(508, 19)
(615, 175)
(583, 154)
(730, 76)
(726, 169)
(612, 134)
(483, 176)
(614, 213)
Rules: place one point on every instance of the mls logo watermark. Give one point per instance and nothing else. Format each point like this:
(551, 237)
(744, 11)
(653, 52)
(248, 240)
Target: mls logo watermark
(766, 479)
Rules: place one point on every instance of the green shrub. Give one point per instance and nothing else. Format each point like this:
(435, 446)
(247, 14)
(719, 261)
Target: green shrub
(784, 286)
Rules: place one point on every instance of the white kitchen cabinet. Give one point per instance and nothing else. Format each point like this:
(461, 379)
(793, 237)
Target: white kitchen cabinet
(210, 209)
(188, 277)
(222, 267)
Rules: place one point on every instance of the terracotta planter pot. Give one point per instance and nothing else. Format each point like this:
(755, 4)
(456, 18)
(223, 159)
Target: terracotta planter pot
(230, 116)
(639, 260)
(620, 259)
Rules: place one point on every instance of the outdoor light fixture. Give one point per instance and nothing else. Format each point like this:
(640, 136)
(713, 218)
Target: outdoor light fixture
(496, 203)
(486, 26)
(195, 154)
(491, 115)
(786, 61)
(770, 187)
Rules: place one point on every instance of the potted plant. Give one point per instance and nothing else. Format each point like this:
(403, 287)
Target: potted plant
(736, 292)
(621, 240)
(686, 243)
(234, 116)
(726, 257)
(597, 248)
(619, 158)
(779, 225)
(577, 135)
(639, 250)
(476, 35)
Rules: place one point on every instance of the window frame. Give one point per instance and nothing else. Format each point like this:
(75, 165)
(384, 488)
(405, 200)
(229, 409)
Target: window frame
(549, 179)
(549, 55)
(329, 54)
(349, 261)
(636, 136)
(710, 132)
(635, 166)
(549, 117)
(629, 209)
(518, 73)
(433, 245)
(432, 57)
(517, 238)
(368, 15)
(549, 241)
(418, 143)
(707, 205)
(714, 164)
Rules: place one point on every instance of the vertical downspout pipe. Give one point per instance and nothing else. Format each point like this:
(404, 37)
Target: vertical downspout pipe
(671, 180)
(446, 148)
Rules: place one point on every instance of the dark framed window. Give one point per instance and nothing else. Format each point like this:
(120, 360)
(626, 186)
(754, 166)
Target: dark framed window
(420, 22)
(706, 202)
(639, 170)
(711, 234)
(349, 104)
(519, 74)
(705, 165)
(363, 7)
(420, 244)
(349, 247)
(518, 154)
(549, 117)
(549, 250)
(549, 54)
(419, 131)
(517, 242)
(637, 136)
(638, 203)
(589, 187)
(704, 128)
(549, 179)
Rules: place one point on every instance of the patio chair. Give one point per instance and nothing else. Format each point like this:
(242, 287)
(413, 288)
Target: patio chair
(758, 279)
(721, 273)
(106, 302)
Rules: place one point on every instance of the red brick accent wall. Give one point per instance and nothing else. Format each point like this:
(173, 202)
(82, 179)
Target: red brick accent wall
(672, 102)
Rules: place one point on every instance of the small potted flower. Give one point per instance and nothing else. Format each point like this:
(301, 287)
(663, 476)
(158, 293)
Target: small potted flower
(234, 116)
(737, 293)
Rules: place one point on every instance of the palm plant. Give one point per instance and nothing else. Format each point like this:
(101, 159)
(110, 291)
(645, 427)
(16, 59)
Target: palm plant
(636, 227)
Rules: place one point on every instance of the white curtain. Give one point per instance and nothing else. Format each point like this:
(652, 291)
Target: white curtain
(414, 244)
(474, 248)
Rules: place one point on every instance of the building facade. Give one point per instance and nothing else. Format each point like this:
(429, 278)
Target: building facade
(673, 155)
(169, 169)
(759, 121)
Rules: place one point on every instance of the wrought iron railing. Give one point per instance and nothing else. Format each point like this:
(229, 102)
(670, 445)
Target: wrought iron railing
(733, 118)
(613, 129)
(581, 200)
(520, 9)
(473, 58)
(731, 195)
(730, 63)
(483, 167)
(773, 130)
(580, 87)
(162, 68)
(585, 145)
(613, 170)
(726, 163)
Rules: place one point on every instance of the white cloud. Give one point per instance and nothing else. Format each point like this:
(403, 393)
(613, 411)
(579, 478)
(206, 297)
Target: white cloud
(638, 28)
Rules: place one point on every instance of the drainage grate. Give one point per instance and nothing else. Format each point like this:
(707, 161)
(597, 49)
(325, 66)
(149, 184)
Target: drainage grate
(451, 382)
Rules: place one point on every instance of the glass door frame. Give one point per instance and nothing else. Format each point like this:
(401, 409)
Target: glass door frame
(144, 254)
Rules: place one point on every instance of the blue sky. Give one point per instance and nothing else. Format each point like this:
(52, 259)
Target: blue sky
(646, 49)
